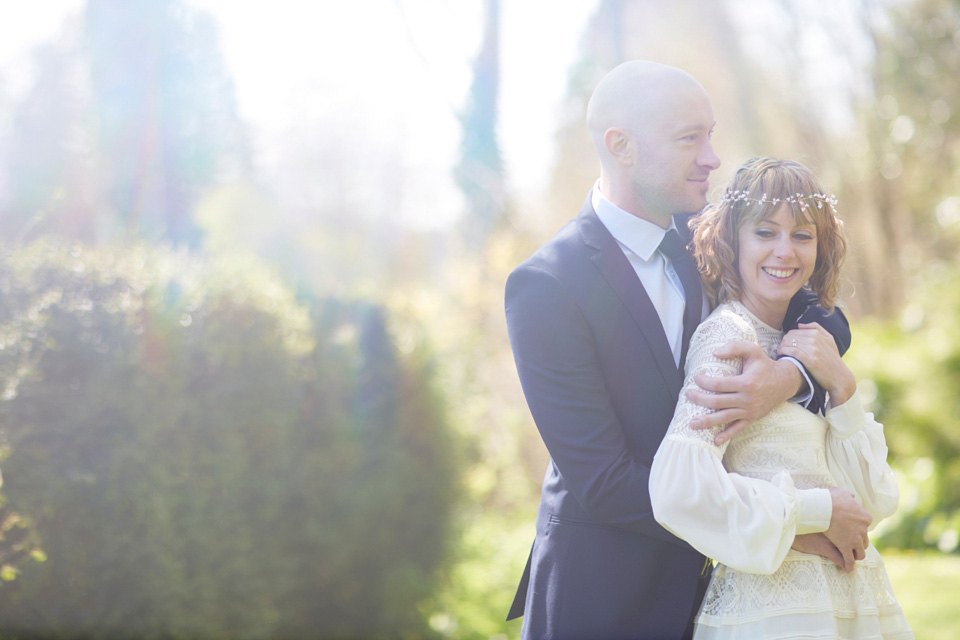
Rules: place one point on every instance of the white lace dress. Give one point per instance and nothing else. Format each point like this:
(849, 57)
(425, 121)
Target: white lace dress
(742, 504)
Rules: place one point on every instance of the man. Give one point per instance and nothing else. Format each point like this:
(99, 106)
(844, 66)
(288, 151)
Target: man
(596, 323)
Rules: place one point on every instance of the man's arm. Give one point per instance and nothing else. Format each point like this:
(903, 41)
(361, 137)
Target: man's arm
(764, 384)
(737, 401)
(805, 308)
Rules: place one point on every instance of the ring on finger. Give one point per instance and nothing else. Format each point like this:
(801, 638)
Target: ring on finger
(793, 343)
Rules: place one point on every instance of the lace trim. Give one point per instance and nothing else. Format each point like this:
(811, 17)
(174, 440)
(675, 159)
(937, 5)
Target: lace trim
(803, 584)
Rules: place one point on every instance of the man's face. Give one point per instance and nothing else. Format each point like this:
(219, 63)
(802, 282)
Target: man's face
(674, 154)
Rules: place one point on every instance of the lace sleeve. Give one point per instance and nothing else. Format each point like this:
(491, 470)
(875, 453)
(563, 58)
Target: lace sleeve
(717, 330)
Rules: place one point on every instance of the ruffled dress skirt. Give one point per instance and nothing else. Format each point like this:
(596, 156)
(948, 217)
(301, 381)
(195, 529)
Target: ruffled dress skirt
(807, 598)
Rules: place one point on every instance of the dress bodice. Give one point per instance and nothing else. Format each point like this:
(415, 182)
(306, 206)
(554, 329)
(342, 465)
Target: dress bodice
(789, 438)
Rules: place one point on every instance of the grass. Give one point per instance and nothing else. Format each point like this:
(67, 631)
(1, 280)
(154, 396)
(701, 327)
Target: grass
(494, 549)
(926, 585)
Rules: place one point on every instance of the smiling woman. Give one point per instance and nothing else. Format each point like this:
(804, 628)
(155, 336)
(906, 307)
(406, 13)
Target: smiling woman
(783, 507)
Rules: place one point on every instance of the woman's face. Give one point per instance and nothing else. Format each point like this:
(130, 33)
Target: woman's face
(777, 256)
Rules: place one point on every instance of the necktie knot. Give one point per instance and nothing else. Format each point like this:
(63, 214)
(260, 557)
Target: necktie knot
(672, 246)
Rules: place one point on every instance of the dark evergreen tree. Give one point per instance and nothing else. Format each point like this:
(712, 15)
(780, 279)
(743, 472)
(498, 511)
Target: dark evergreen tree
(480, 172)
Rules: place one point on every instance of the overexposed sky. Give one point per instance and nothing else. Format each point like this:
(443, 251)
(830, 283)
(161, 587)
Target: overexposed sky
(397, 71)
(24, 26)
(401, 70)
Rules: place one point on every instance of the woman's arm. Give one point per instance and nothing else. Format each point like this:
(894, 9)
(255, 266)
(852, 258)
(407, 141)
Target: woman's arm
(746, 523)
(856, 447)
(857, 457)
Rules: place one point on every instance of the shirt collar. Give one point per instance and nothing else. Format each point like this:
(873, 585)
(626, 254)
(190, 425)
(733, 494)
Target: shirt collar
(641, 236)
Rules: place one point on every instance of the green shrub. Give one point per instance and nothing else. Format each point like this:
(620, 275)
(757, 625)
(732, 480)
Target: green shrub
(909, 372)
(203, 455)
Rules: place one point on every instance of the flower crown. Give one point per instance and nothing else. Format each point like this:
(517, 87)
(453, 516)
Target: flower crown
(800, 199)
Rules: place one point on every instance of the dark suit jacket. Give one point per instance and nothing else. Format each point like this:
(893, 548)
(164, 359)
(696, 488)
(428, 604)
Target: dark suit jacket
(599, 378)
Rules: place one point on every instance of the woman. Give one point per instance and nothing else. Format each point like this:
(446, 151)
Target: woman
(740, 503)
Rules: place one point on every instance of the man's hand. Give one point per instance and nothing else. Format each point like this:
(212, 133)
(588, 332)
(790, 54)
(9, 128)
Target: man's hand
(848, 527)
(739, 400)
(819, 545)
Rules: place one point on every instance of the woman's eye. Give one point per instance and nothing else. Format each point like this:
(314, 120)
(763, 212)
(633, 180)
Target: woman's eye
(803, 236)
(765, 233)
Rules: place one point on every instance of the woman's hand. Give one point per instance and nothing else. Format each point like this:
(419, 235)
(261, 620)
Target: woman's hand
(816, 349)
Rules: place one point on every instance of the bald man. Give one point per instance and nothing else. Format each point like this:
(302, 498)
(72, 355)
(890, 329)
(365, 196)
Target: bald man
(596, 324)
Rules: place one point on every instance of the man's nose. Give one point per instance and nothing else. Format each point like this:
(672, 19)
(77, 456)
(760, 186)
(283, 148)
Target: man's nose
(708, 158)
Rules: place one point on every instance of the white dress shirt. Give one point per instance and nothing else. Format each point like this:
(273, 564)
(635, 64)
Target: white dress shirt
(639, 239)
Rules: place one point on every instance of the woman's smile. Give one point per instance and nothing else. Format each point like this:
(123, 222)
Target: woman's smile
(781, 274)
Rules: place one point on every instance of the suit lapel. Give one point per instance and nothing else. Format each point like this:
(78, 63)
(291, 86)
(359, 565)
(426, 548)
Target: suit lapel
(621, 277)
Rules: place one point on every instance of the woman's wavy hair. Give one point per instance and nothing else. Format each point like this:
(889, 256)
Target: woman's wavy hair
(756, 191)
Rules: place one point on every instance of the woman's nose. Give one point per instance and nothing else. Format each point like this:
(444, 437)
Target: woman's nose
(783, 248)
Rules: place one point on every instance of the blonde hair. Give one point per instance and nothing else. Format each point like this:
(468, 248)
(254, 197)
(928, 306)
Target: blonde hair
(756, 191)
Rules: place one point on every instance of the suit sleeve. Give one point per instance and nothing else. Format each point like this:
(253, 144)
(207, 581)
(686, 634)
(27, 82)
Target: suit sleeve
(565, 389)
(805, 308)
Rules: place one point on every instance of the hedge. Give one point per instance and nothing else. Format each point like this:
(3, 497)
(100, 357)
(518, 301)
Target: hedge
(200, 454)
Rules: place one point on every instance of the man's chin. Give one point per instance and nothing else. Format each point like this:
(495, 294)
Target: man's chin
(695, 205)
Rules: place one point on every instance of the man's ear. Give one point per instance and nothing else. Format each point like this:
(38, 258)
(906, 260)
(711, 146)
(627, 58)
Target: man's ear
(619, 145)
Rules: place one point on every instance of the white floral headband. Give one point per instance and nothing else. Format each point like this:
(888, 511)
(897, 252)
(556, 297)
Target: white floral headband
(798, 199)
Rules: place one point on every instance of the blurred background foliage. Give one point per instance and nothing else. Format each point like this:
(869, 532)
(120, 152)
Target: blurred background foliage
(239, 403)
(203, 455)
